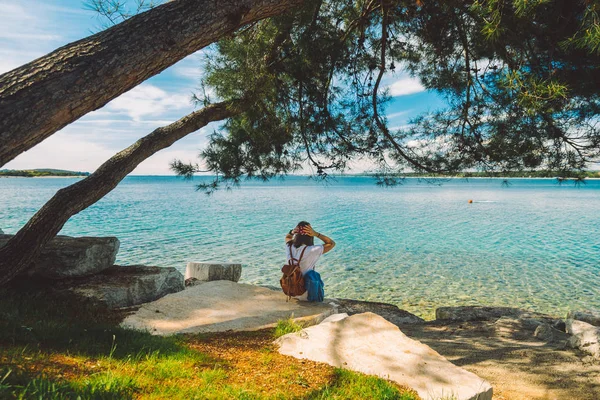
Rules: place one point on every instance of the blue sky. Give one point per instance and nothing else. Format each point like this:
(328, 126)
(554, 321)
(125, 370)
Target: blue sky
(32, 28)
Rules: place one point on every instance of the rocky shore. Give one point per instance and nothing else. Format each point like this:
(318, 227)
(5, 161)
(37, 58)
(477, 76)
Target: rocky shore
(470, 350)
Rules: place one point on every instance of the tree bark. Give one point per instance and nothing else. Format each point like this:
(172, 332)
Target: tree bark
(41, 97)
(20, 251)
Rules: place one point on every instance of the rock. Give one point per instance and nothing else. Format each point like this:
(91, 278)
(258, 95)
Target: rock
(532, 323)
(69, 257)
(220, 306)
(592, 317)
(479, 313)
(388, 311)
(586, 337)
(1, 232)
(335, 317)
(191, 282)
(126, 286)
(369, 344)
(547, 333)
(560, 325)
(213, 271)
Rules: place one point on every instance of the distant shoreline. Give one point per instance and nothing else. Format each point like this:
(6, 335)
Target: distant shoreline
(330, 176)
(44, 176)
(42, 173)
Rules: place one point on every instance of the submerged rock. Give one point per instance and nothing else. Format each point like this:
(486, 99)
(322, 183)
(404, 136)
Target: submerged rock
(592, 317)
(480, 313)
(390, 312)
(69, 257)
(206, 272)
(126, 286)
(369, 344)
(585, 337)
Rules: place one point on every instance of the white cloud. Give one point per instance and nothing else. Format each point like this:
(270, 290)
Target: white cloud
(191, 67)
(14, 14)
(11, 60)
(158, 164)
(28, 36)
(24, 34)
(406, 86)
(105, 122)
(63, 151)
(361, 165)
(147, 99)
(70, 150)
(400, 127)
(397, 114)
(30, 29)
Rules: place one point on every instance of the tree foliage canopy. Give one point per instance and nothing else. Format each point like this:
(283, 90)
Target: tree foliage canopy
(520, 78)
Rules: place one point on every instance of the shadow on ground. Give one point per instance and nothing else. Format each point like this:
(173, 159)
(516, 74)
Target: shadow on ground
(518, 365)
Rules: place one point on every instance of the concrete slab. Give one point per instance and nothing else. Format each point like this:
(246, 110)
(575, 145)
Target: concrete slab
(220, 306)
(206, 272)
(369, 344)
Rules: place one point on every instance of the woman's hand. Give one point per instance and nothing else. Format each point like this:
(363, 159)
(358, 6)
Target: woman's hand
(307, 230)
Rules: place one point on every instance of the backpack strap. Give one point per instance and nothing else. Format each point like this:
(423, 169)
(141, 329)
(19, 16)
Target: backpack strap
(292, 259)
(301, 255)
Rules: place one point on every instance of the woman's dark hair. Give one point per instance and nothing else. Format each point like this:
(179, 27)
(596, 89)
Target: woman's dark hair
(300, 240)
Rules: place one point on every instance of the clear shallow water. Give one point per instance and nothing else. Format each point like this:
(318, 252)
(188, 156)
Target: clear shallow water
(534, 244)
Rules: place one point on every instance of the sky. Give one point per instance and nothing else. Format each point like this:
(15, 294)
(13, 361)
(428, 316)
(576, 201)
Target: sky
(32, 28)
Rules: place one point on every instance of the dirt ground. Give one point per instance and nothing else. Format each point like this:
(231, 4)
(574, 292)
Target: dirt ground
(518, 365)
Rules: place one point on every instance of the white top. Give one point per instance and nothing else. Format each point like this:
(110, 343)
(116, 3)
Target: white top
(310, 257)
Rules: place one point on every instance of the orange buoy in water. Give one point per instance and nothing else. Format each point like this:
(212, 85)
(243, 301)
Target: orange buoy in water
(470, 201)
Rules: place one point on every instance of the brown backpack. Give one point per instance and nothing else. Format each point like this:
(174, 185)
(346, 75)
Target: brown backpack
(292, 281)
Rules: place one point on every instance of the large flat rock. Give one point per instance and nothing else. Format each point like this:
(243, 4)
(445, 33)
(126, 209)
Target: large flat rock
(369, 344)
(125, 286)
(69, 257)
(220, 306)
(585, 337)
(590, 316)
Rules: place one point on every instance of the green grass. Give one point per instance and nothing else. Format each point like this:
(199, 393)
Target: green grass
(48, 389)
(285, 326)
(59, 348)
(350, 385)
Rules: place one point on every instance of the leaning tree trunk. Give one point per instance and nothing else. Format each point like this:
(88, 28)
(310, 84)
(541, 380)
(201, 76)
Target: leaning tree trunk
(39, 98)
(20, 250)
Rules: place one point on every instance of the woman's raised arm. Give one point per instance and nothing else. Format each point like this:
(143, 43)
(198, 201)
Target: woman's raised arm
(329, 243)
(290, 235)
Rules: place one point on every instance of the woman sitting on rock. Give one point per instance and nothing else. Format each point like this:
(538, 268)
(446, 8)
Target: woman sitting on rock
(300, 245)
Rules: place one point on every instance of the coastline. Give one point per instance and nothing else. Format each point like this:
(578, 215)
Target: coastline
(342, 176)
(500, 347)
(45, 177)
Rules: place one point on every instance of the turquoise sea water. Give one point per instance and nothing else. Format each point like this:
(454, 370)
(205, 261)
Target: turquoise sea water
(534, 244)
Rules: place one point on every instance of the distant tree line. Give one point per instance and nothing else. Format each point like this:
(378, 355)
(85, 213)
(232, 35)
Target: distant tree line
(580, 175)
(33, 173)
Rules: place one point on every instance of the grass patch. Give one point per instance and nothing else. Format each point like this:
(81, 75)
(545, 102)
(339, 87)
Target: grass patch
(58, 348)
(351, 385)
(43, 387)
(285, 326)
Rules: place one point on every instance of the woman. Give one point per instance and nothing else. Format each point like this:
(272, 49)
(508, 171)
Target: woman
(301, 238)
